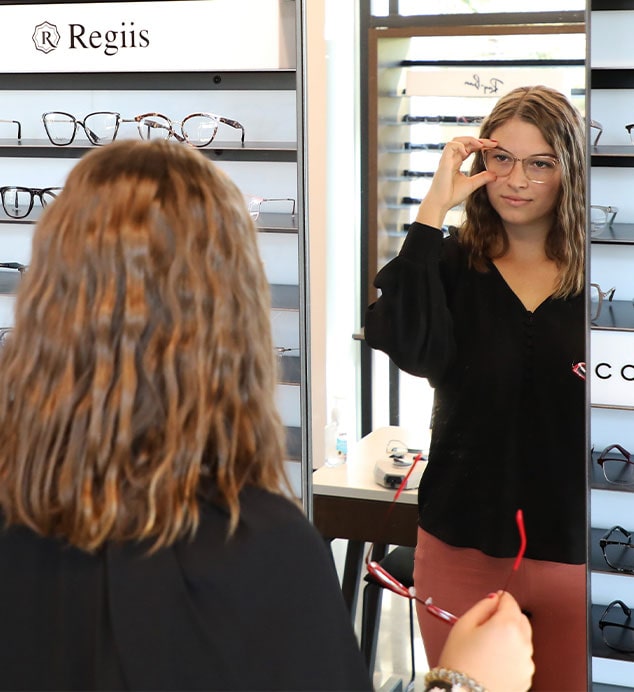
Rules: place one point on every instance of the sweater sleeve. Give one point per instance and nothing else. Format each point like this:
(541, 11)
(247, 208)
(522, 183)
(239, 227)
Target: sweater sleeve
(411, 321)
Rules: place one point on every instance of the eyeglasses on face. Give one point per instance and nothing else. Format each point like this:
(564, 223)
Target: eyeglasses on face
(597, 297)
(15, 122)
(618, 551)
(617, 465)
(537, 169)
(102, 127)
(598, 128)
(617, 627)
(601, 217)
(17, 202)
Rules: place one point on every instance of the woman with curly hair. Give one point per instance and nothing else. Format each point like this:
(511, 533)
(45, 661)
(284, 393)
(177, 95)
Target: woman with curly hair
(150, 540)
(493, 316)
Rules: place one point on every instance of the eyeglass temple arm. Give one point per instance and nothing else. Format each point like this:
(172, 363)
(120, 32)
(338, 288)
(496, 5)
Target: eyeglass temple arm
(15, 122)
(597, 126)
(153, 124)
(237, 125)
(624, 452)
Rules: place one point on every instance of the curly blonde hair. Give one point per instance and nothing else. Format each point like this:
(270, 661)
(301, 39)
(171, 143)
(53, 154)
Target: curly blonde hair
(562, 127)
(141, 372)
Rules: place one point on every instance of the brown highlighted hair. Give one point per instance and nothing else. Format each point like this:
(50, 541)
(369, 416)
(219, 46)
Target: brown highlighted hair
(562, 127)
(141, 372)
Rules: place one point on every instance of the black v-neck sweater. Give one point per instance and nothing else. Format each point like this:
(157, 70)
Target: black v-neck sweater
(509, 414)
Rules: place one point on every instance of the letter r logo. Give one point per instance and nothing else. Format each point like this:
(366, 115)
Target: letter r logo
(46, 37)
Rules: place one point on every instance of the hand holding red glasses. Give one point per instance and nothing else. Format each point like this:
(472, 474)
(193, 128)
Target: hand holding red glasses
(492, 644)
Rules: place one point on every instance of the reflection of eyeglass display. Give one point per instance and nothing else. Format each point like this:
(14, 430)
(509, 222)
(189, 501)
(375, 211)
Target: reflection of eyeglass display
(17, 202)
(15, 122)
(618, 635)
(458, 119)
(597, 296)
(431, 146)
(601, 217)
(537, 169)
(417, 174)
(14, 265)
(596, 125)
(254, 204)
(197, 129)
(618, 467)
(617, 548)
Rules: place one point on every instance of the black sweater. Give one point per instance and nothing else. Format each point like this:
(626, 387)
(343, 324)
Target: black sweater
(261, 610)
(509, 414)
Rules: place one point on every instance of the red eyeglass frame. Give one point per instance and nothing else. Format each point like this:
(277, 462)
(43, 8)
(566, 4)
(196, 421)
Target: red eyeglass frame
(389, 582)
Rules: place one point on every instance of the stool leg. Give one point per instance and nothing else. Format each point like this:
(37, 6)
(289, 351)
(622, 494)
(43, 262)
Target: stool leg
(370, 617)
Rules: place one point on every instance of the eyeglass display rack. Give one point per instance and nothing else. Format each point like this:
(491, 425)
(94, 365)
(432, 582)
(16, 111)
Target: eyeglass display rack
(270, 163)
(611, 82)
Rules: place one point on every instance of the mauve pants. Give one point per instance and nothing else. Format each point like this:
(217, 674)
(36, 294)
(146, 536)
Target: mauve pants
(553, 593)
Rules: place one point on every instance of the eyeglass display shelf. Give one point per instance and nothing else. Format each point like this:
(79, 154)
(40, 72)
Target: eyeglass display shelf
(219, 150)
(269, 222)
(617, 315)
(597, 561)
(616, 234)
(612, 155)
(597, 479)
(284, 297)
(612, 77)
(599, 648)
(289, 371)
(599, 5)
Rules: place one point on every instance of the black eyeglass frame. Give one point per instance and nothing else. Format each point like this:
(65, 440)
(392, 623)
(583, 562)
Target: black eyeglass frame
(626, 460)
(603, 623)
(605, 541)
(596, 125)
(15, 122)
(33, 192)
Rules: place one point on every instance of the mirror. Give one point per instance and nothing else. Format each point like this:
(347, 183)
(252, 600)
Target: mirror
(410, 63)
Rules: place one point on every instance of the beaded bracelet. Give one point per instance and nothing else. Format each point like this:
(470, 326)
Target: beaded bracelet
(451, 680)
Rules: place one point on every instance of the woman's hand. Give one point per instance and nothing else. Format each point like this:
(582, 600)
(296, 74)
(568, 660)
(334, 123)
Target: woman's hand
(492, 643)
(450, 186)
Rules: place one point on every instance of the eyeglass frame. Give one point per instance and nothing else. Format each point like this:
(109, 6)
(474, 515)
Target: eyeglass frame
(388, 581)
(629, 129)
(595, 124)
(609, 294)
(515, 160)
(4, 333)
(610, 214)
(183, 137)
(18, 266)
(15, 122)
(33, 191)
(602, 624)
(259, 201)
(605, 541)
(92, 137)
(627, 460)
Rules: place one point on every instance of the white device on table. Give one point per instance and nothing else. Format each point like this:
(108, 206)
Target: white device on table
(392, 470)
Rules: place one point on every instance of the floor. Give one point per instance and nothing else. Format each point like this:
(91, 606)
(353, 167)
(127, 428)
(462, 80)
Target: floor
(393, 667)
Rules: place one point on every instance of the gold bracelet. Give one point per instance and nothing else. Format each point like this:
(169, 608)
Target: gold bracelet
(458, 681)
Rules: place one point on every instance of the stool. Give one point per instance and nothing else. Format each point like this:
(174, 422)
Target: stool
(399, 562)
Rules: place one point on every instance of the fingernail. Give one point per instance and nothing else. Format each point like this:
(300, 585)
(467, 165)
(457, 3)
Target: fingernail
(492, 595)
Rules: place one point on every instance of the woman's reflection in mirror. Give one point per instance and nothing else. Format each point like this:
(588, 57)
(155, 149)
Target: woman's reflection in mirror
(494, 318)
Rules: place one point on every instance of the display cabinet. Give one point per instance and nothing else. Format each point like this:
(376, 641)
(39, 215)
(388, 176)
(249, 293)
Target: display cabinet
(611, 159)
(269, 164)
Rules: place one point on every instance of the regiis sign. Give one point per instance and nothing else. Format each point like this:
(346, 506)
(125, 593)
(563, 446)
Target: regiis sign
(142, 36)
(612, 368)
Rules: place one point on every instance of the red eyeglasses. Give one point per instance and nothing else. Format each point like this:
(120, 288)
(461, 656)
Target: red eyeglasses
(389, 582)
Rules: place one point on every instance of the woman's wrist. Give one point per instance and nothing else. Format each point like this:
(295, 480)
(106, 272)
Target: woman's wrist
(430, 214)
(450, 681)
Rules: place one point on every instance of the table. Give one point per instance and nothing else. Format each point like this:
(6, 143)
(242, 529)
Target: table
(348, 503)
